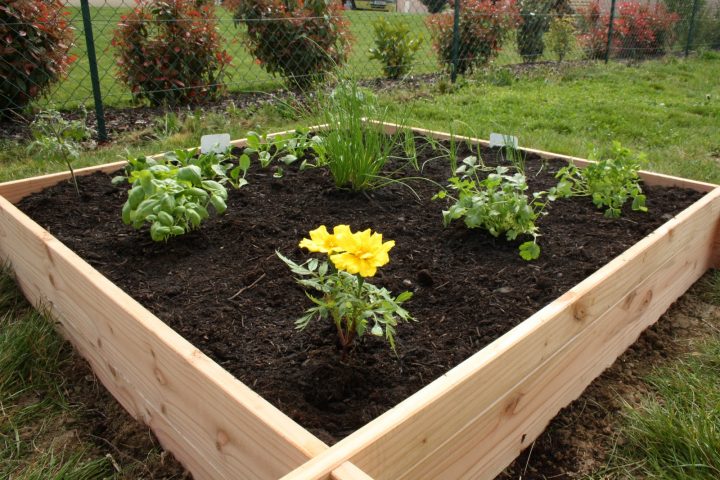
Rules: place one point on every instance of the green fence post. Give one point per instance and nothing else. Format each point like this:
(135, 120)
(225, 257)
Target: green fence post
(610, 30)
(691, 29)
(94, 77)
(455, 42)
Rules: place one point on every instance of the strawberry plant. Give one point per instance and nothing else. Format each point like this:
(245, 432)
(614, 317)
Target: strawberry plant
(354, 305)
(35, 37)
(300, 40)
(498, 204)
(484, 24)
(610, 182)
(169, 51)
(173, 194)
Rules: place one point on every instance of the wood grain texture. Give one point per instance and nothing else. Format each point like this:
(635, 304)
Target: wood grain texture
(213, 423)
(475, 400)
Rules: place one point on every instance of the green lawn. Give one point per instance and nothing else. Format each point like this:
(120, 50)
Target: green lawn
(669, 109)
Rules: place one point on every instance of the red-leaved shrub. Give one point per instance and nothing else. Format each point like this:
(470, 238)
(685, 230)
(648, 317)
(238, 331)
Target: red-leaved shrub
(169, 51)
(483, 26)
(35, 37)
(639, 29)
(643, 29)
(301, 40)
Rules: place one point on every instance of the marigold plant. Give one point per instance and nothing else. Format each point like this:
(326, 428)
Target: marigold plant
(35, 37)
(353, 304)
(169, 51)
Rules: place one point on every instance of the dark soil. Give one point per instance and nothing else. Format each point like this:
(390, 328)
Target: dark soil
(469, 287)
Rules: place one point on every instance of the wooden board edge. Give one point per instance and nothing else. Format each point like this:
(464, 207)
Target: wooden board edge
(651, 178)
(572, 303)
(491, 440)
(16, 190)
(45, 264)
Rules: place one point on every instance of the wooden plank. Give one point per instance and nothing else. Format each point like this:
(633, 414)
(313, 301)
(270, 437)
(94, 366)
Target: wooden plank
(348, 471)
(392, 444)
(491, 441)
(16, 190)
(651, 178)
(201, 411)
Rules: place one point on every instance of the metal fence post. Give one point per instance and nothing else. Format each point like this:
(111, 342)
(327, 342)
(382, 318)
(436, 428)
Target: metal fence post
(691, 28)
(94, 77)
(610, 30)
(455, 42)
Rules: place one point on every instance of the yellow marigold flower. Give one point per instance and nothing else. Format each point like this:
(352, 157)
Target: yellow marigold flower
(322, 241)
(361, 253)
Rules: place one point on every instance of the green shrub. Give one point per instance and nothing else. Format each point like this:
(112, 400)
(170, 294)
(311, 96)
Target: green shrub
(36, 38)
(561, 36)
(170, 52)
(435, 6)
(300, 41)
(395, 47)
(483, 26)
(535, 15)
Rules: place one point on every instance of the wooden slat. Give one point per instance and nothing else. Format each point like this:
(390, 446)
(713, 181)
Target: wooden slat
(16, 190)
(391, 445)
(212, 422)
(519, 416)
(651, 178)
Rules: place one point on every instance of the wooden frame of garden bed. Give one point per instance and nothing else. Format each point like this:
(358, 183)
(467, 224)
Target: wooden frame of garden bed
(469, 423)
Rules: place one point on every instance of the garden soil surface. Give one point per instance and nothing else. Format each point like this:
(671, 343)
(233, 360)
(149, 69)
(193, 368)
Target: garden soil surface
(223, 288)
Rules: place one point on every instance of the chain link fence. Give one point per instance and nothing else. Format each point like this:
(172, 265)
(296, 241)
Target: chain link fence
(119, 53)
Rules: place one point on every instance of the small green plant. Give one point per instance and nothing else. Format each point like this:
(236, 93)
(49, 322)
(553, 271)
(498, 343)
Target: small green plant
(174, 193)
(498, 204)
(356, 147)
(57, 139)
(395, 47)
(561, 36)
(609, 182)
(354, 305)
(285, 148)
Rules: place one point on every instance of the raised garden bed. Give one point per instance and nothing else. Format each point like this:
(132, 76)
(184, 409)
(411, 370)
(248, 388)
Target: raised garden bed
(469, 423)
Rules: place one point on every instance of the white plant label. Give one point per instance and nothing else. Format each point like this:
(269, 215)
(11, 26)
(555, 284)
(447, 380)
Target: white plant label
(500, 140)
(218, 143)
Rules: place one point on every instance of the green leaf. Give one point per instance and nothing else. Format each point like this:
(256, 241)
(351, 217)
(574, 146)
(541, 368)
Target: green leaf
(404, 296)
(529, 251)
(244, 162)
